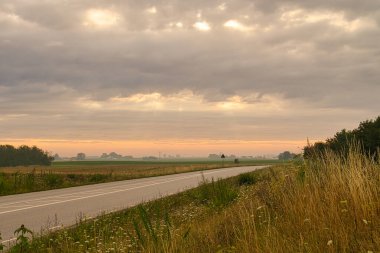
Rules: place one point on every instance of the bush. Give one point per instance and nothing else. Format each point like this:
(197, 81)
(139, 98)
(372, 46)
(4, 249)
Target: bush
(98, 178)
(247, 179)
(217, 193)
(53, 180)
(2, 183)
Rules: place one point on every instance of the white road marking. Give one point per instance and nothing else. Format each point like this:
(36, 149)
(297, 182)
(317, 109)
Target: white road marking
(10, 240)
(101, 190)
(106, 193)
(68, 194)
(2, 207)
(52, 228)
(27, 203)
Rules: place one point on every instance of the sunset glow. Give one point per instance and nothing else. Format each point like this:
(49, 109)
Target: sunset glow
(186, 77)
(184, 148)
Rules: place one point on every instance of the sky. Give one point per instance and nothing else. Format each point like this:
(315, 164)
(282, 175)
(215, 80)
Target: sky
(245, 77)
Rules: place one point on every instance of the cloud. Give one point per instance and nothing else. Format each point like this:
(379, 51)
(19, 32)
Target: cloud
(202, 26)
(137, 65)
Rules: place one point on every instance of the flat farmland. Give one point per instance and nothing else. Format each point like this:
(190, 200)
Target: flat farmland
(14, 180)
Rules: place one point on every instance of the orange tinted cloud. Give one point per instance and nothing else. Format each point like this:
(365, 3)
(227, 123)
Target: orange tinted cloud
(182, 147)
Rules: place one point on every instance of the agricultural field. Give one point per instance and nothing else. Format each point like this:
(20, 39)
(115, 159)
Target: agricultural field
(15, 180)
(328, 204)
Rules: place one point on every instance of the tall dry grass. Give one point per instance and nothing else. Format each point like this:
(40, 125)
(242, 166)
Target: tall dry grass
(330, 204)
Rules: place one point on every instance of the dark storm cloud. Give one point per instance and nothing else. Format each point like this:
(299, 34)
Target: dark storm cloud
(50, 59)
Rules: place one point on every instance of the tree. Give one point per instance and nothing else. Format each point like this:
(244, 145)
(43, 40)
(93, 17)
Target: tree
(315, 150)
(104, 156)
(367, 135)
(8, 155)
(223, 158)
(341, 141)
(81, 156)
(114, 155)
(23, 156)
(213, 156)
(57, 157)
(286, 155)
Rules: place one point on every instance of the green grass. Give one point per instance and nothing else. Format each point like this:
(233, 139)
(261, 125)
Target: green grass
(164, 162)
(14, 180)
(326, 205)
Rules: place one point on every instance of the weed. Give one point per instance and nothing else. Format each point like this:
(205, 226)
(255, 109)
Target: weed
(247, 179)
(2, 183)
(216, 193)
(301, 174)
(30, 180)
(52, 180)
(1, 243)
(22, 241)
(99, 178)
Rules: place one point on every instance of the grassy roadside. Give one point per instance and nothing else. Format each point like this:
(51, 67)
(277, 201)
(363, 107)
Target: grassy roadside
(326, 205)
(14, 180)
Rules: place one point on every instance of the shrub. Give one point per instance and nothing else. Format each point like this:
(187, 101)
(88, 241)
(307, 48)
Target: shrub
(216, 193)
(2, 183)
(52, 180)
(98, 178)
(247, 179)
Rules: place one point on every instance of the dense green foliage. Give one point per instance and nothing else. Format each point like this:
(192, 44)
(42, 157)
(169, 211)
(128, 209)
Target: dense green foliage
(23, 156)
(367, 135)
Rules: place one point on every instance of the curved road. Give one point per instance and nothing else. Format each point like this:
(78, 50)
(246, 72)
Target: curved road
(48, 210)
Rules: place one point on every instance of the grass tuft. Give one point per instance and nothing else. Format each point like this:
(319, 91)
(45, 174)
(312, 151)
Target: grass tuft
(247, 179)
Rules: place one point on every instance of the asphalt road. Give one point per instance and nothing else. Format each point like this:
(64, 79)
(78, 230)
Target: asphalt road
(49, 210)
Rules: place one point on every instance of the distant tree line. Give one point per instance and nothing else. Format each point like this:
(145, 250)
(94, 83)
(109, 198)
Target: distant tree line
(367, 135)
(286, 156)
(81, 156)
(115, 156)
(23, 156)
(112, 155)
